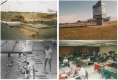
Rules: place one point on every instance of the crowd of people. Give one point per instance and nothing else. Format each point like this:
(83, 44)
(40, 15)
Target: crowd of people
(98, 57)
(25, 68)
(75, 69)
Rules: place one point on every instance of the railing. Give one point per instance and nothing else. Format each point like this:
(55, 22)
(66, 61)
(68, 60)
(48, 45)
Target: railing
(17, 52)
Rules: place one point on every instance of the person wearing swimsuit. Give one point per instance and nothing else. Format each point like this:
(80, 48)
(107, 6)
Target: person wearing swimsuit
(47, 57)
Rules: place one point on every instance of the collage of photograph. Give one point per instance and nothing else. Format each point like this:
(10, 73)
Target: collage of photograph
(58, 39)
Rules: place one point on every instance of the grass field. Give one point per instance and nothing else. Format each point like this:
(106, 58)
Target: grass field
(91, 32)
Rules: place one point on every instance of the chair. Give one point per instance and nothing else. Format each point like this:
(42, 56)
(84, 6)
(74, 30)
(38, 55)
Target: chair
(99, 60)
(104, 74)
(86, 74)
(61, 59)
(79, 62)
(78, 78)
(86, 56)
(114, 65)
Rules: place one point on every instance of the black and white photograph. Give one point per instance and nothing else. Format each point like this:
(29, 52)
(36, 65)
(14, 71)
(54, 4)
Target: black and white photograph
(28, 59)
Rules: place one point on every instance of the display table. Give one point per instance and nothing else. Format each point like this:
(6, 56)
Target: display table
(63, 74)
(109, 70)
(98, 66)
(85, 62)
(60, 77)
(112, 71)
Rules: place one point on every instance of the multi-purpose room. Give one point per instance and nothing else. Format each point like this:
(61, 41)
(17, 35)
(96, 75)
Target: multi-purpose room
(96, 59)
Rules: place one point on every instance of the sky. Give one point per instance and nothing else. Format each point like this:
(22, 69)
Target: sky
(83, 9)
(29, 6)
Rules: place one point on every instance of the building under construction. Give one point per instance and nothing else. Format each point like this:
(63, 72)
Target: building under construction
(28, 15)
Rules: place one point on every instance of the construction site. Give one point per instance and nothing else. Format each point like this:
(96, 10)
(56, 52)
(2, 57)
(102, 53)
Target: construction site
(28, 25)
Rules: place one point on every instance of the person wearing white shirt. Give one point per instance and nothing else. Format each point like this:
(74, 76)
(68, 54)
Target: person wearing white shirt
(65, 61)
(81, 72)
(48, 56)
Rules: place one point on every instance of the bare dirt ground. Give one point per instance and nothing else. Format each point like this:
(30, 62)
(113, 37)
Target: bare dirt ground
(32, 35)
(91, 32)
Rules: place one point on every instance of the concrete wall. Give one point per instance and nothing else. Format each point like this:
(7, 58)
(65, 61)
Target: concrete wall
(106, 49)
(47, 32)
(30, 28)
(99, 21)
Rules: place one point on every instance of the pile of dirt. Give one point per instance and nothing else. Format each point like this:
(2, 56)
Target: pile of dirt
(14, 33)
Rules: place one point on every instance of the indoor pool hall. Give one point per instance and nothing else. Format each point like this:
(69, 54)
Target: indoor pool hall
(25, 59)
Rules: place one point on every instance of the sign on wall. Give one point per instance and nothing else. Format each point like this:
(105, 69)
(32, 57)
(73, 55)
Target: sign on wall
(97, 11)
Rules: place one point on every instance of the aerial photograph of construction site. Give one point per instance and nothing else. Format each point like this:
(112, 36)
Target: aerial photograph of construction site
(31, 20)
(88, 20)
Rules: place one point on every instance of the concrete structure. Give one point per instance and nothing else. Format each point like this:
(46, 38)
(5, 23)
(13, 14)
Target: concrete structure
(99, 12)
(13, 24)
(47, 32)
(29, 15)
(42, 15)
(52, 14)
(42, 30)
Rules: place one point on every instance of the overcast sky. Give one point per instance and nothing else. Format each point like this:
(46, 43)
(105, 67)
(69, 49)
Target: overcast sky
(83, 9)
(29, 6)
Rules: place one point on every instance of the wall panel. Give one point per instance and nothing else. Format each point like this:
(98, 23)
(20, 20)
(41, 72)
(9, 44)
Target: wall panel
(69, 50)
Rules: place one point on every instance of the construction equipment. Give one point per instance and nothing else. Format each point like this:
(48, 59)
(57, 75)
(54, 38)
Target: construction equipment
(18, 18)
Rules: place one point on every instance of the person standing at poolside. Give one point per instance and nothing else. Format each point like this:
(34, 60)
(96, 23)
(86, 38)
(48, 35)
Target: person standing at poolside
(48, 57)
